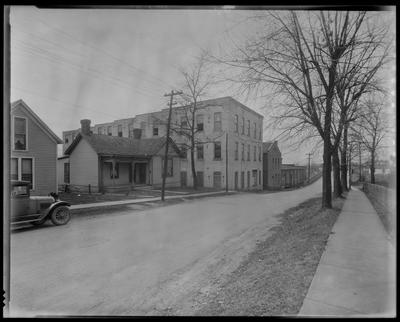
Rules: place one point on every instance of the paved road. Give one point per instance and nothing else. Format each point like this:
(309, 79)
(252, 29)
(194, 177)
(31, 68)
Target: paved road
(138, 262)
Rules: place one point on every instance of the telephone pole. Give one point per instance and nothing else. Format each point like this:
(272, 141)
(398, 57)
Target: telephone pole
(165, 170)
(309, 165)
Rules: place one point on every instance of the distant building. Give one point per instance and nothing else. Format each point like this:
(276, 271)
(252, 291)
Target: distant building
(293, 175)
(33, 150)
(228, 135)
(102, 163)
(272, 161)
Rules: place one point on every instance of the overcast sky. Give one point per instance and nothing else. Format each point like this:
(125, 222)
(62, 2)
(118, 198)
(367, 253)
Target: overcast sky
(107, 64)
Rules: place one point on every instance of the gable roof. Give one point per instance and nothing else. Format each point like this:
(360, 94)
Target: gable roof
(267, 146)
(121, 146)
(36, 119)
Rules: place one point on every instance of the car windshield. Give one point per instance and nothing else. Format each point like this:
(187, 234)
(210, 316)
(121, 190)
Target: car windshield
(19, 191)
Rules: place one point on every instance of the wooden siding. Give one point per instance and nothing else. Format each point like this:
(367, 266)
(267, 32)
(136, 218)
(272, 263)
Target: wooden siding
(84, 165)
(173, 181)
(44, 151)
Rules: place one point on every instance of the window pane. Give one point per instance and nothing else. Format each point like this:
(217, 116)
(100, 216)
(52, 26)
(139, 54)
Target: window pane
(20, 125)
(14, 169)
(26, 175)
(217, 121)
(217, 150)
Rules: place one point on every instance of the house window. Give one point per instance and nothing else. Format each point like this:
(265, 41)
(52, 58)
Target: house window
(184, 151)
(236, 150)
(242, 151)
(130, 130)
(200, 152)
(255, 130)
(99, 130)
(217, 121)
(217, 150)
(248, 179)
(27, 170)
(66, 172)
(14, 169)
(248, 152)
(20, 134)
(200, 123)
(248, 127)
(184, 123)
(255, 178)
(120, 130)
(109, 130)
(259, 177)
(66, 140)
(155, 131)
(236, 123)
(22, 169)
(242, 125)
(259, 153)
(114, 174)
(242, 179)
(260, 134)
(170, 169)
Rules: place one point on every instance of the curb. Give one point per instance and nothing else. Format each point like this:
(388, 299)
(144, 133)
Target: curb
(156, 199)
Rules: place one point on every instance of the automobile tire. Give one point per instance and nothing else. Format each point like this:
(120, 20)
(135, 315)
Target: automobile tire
(40, 222)
(60, 216)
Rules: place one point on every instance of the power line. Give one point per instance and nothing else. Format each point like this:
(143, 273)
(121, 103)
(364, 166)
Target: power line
(101, 50)
(57, 60)
(74, 106)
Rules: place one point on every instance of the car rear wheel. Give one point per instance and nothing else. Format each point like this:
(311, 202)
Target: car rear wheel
(60, 215)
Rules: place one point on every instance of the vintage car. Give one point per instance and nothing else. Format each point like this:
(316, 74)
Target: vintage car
(36, 209)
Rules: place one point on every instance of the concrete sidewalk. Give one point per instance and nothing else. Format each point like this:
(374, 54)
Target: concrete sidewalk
(356, 275)
(141, 200)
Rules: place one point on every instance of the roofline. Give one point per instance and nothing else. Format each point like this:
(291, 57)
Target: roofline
(37, 119)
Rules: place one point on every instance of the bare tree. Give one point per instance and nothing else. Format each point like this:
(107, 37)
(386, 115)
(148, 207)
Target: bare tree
(306, 58)
(372, 127)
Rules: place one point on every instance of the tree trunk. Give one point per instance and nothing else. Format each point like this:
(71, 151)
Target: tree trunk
(337, 186)
(343, 160)
(193, 167)
(327, 175)
(372, 168)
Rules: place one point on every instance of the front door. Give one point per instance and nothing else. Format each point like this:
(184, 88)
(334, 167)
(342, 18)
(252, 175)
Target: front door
(236, 180)
(140, 173)
(183, 179)
(217, 179)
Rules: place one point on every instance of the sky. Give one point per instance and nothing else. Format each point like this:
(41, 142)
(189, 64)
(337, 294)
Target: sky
(108, 64)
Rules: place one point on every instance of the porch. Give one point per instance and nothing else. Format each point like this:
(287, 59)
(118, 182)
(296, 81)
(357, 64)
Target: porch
(123, 174)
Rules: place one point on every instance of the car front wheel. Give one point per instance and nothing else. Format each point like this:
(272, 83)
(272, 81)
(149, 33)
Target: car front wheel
(60, 216)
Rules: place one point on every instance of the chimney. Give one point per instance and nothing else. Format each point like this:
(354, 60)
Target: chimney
(85, 127)
(137, 133)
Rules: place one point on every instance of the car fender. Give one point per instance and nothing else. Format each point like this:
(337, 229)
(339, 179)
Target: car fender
(57, 204)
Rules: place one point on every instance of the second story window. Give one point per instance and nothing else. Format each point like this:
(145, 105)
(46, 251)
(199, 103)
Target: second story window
(155, 131)
(255, 130)
(20, 134)
(236, 123)
(255, 153)
(248, 127)
(236, 150)
(217, 121)
(109, 130)
(248, 152)
(217, 150)
(200, 123)
(184, 123)
(184, 151)
(120, 130)
(242, 151)
(259, 153)
(242, 125)
(200, 152)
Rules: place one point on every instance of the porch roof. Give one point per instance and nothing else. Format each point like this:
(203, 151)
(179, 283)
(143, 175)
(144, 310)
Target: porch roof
(121, 146)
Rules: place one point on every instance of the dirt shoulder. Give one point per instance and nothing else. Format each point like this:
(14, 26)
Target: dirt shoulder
(262, 272)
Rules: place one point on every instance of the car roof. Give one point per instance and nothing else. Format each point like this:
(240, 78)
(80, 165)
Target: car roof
(19, 183)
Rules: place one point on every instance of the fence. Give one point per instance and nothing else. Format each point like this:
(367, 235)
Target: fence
(384, 201)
